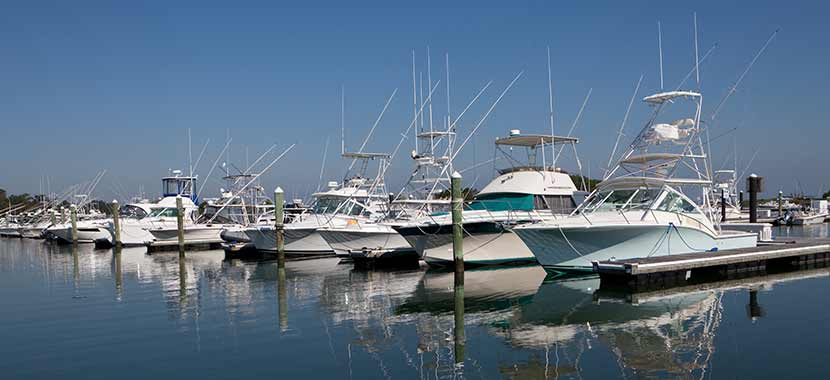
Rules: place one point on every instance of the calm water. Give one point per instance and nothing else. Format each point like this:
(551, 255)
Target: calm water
(92, 314)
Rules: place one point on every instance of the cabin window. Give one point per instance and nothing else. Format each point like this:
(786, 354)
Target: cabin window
(643, 198)
(503, 202)
(560, 204)
(134, 212)
(165, 212)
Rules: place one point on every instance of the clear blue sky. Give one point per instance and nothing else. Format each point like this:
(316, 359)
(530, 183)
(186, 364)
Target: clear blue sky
(115, 85)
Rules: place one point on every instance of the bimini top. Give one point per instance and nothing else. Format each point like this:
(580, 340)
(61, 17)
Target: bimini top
(669, 96)
(365, 155)
(532, 141)
(620, 182)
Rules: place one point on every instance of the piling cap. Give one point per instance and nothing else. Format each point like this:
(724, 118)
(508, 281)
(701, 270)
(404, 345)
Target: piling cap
(178, 196)
(456, 174)
(115, 201)
(753, 175)
(278, 190)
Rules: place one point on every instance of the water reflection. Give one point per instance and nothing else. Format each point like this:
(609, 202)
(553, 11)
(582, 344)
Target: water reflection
(512, 322)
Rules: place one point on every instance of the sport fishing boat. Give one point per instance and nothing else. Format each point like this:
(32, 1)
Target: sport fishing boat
(656, 200)
(138, 218)
(377, 240)
(520, 194)
(90, 226)
(357, 199)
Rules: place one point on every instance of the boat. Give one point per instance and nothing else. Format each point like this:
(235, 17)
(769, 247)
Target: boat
(815, 214)
(645, 206)
(375, 241)
(522, 193)
(139, 218)
(357, 199)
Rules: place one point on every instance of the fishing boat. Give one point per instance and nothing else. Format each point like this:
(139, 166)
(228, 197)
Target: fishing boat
(376, 240)
(656, 200)
(522, 193)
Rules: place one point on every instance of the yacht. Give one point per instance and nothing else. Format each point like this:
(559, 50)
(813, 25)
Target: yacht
(522, 193)
(656, 200)
(377, 240)
(341, 205)
(140, 218)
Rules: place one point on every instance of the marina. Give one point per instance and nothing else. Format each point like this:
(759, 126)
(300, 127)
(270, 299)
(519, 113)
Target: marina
(535, 191)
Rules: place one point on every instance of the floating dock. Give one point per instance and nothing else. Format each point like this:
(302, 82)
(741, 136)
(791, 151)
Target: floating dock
(683, 269)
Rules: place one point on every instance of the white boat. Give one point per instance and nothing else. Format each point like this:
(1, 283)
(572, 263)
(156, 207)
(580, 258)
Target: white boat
(10, 229)
(88, 231)
(518, 195)
(645, 205)
(139, 218)
(377, 240)
(335, 208)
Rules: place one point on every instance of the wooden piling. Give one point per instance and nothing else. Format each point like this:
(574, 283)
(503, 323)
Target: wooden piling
(457, 227)
(180, 222)
(755, 186)
(279, 225)
(722, 205)
(458, 332)
(73, 216)
(63, 215)
(116, 224)
(282, 300)
(52, 217)
(780, 203)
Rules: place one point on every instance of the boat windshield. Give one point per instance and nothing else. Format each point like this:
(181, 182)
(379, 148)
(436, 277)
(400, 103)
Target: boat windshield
(128, 211)
(674, 202)
(163, 212)
(621, 200)
(330, 205)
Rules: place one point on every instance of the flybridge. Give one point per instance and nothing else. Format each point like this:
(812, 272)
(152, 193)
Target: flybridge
(533, 141)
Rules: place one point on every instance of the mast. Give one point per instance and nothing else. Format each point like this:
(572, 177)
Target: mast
(660, 48)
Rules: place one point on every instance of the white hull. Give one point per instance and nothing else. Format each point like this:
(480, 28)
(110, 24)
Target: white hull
(9, 232)
(810, 219)
(196, 233)
(576, 247)
(87, 233)
(298, 241)
(373, 238)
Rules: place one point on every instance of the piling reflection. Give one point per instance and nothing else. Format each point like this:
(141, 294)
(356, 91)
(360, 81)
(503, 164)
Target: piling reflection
(119, 282)
(400, 323)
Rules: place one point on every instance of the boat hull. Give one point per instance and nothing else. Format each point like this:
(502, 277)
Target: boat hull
(344, 241)
(86, 234)
(192, 234)
(303, 241)
(485, 243)
(574, 248)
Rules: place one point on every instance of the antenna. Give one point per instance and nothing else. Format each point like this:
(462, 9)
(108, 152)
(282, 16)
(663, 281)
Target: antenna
(429, 86)
(697, 62)
(323, 165)
(660, 48)
(622, 125)
(342, 119)
(189, 153)
(550, 100)
(415, 100)
(746, 71)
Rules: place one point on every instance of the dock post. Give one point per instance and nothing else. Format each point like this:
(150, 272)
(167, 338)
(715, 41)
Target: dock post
(279, 226)
(755, 186)
(73, 216)
(780, 203)
(52, 217)
(63, 215)
(180, 223)
(116, 224)
(722, 206)
(741, 200)
(457, 229)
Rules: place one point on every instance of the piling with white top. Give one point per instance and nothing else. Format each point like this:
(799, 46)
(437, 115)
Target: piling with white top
(63, 215)
(180, 222)
(52, 217)
(457, 229)
(73, 216)
(116, 224)
(279, 224)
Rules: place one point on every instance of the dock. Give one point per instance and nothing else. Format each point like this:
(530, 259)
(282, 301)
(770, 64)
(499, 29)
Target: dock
(689, 268)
